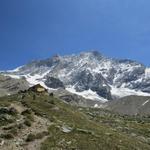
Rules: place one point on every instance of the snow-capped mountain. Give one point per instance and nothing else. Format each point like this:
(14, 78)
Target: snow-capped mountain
(89, 74)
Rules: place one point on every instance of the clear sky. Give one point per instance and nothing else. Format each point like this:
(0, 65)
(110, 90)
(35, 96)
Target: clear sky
(37, 29)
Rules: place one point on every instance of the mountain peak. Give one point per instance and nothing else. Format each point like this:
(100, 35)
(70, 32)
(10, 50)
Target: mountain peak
(56, 56)
(91, 52)
(105, 75)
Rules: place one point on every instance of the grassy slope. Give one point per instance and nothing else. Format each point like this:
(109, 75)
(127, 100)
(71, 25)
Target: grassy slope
(87, 132)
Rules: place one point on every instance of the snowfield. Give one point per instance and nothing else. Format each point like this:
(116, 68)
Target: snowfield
(89, 70)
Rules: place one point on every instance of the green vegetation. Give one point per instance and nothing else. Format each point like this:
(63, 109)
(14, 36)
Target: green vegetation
(29, 118)
(32, 137)
(7, 136)
(82, 128)
(133, 126)
(27, 122)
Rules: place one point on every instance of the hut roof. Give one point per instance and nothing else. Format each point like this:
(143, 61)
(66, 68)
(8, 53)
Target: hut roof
(38, 88)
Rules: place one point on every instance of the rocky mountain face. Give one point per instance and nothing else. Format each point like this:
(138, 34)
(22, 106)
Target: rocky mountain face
(88, 73)
(54, 83)
(130, 105)
(75, 99)
(10, 85)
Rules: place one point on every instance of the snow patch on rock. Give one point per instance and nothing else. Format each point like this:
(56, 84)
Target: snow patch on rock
(88, 94)
(145, 102)
(122, 92)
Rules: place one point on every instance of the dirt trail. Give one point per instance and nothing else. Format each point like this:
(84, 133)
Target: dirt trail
(19, 142)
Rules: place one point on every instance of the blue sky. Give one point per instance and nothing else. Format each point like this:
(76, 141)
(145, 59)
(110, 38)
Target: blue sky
(37, 29)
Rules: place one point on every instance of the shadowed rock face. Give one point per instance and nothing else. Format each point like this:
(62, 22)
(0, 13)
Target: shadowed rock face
(95, 82)
(9, 85)
(54, 83)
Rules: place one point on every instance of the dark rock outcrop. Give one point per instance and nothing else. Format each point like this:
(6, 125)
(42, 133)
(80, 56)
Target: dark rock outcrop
(54, 83)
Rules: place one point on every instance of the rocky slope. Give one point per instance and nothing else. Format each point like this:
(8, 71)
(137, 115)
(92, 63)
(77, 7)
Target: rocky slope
(75, 99)
(10, 85)
(89, 74)
(130, 105)
(39, 121)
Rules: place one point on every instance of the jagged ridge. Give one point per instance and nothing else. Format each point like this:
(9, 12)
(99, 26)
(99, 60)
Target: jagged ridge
(89, 73)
